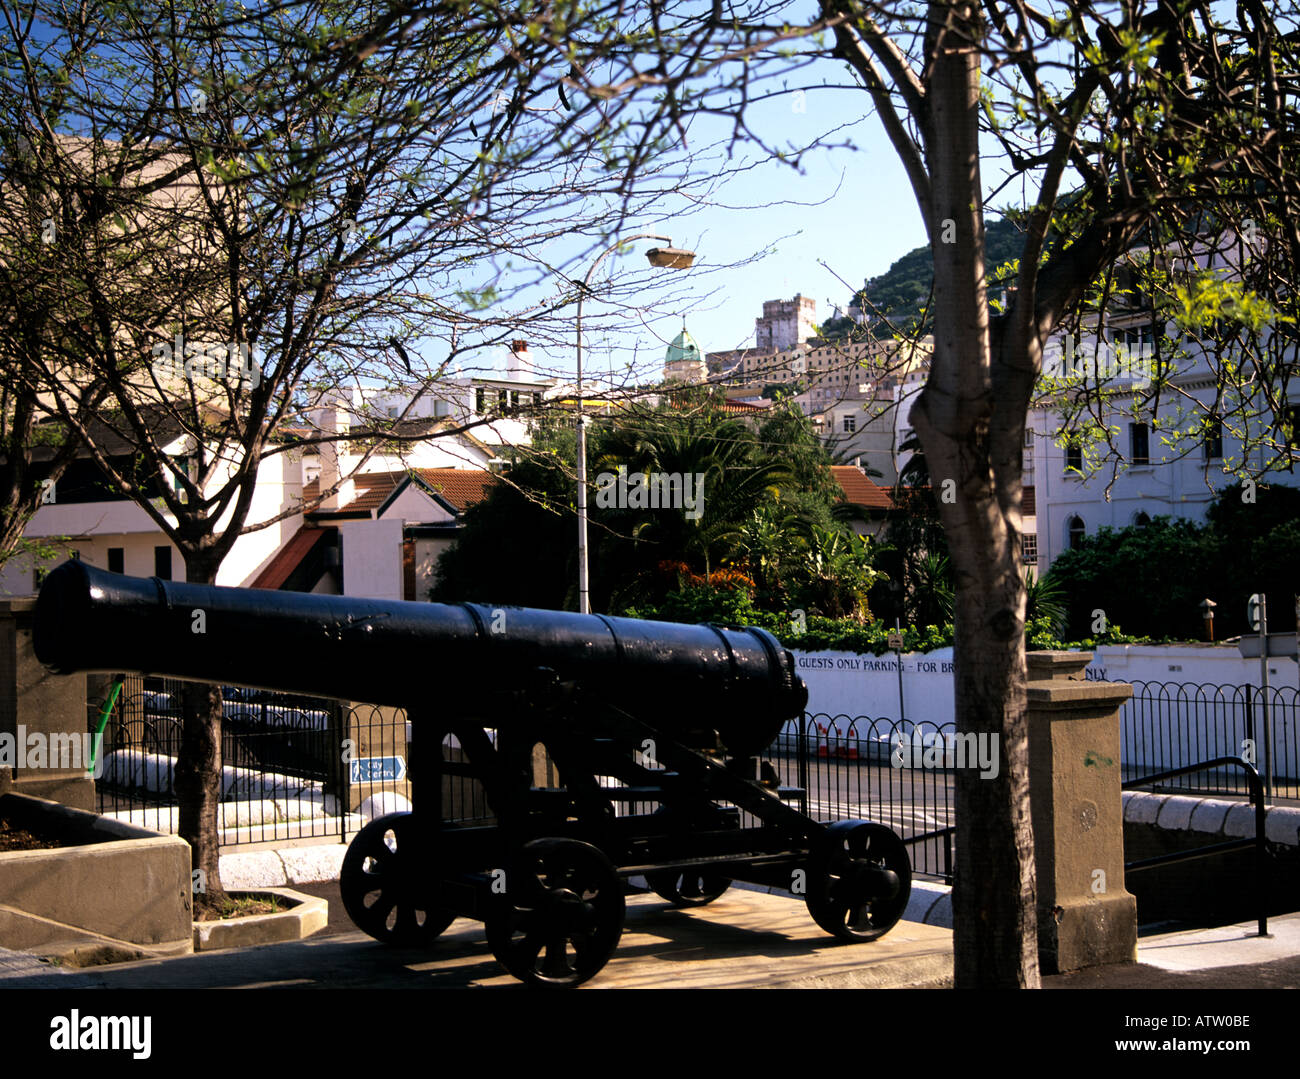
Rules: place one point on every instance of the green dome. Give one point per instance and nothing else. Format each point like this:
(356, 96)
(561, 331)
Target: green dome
(683, 347)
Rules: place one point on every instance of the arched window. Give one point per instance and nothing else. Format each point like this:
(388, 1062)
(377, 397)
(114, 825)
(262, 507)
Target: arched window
(1142, 520)
(1076, 531)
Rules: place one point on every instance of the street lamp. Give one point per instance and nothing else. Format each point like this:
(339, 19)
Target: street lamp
(672, 258)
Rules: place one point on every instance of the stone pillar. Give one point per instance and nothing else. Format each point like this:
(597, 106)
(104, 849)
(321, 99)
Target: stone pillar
(1086, 917)
(51, 707)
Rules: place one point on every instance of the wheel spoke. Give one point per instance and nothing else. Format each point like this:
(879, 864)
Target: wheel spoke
(377, 877)
(845, 885)
(382, 907)
(557, 964)
(573, 919)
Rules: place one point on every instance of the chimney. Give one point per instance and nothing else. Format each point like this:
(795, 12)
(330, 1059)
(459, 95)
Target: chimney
(334, 418)
(520, 365)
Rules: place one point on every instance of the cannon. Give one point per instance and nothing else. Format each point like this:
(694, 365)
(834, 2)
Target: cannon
(678, 716)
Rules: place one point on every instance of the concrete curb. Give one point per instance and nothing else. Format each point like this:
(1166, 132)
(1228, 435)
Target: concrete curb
(307, 915)
(1211, 816)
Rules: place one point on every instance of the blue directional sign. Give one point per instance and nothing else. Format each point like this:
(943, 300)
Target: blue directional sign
(377, 770)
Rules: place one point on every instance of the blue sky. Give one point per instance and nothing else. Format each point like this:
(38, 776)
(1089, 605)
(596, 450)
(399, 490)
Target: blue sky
(843, 214)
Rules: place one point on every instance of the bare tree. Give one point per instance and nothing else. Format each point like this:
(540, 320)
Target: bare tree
(251, 210)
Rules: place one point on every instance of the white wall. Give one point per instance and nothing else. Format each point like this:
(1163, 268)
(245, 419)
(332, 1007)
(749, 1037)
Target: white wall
(1214, 664)
(845, 685)
(372, 558)
(93, 527)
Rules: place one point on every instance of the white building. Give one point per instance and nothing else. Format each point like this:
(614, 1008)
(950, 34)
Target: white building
(86, 519)
(393, 495)
(1146, 471)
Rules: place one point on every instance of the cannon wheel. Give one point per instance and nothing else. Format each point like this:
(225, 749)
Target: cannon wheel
(859, 880)
(562, 914)
(382, 880)
(688, 887)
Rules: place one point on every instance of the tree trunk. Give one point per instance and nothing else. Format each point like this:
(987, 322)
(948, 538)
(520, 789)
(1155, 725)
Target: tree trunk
(972, 443)
(198, 766)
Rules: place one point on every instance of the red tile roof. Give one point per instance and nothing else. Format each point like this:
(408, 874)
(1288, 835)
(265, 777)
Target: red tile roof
(289, 557)
(369, 490)
(461, 487)
(735, 405)
(859, 490)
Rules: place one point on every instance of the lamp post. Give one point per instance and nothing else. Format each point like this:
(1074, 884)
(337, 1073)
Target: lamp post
(1207, 613)
(671, 258)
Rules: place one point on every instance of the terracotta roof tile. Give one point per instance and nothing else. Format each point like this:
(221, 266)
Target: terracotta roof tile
(859, 490)
(289, 557)
(461, 487)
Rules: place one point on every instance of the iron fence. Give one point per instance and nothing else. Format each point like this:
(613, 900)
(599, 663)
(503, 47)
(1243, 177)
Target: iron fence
(1167, 726)
(297, 767)
(283, 774)
(897, 773)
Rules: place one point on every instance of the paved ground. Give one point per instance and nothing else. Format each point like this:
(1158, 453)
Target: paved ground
(746, 939)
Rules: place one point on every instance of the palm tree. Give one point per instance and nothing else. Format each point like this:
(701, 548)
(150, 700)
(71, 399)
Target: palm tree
(1044, 598)
(839, 572)
(769, 545)
(734, 478)
(931, 592)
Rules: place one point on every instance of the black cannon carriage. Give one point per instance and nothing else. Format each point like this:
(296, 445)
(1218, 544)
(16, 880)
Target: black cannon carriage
(678, 715)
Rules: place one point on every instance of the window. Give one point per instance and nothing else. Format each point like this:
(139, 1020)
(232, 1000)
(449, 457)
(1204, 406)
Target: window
(1132, 337)
(1073, 458)
(1214, 441)
(1075, 532)
(850, 423)
(503, 400)
(1138, 440)
(179, 477)
(162, 562)
(1141, 520)
(116, 560)
(1029, 548)
(480, 400)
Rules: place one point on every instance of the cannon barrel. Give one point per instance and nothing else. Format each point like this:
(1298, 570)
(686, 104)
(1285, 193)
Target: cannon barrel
(462, 660)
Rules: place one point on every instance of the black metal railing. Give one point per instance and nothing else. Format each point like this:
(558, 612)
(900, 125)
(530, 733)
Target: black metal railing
(1176, 727)
(296, 766)
(862, 768)
(283, 774)
(1256, 788)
